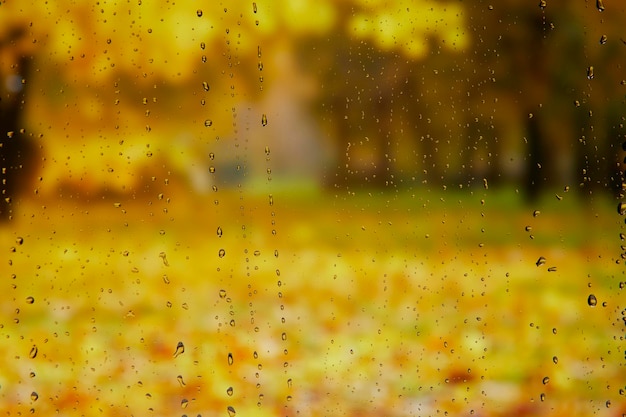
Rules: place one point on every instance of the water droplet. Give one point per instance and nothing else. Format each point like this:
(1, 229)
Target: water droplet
(603, 39)
(164, 257)
(229, 391)
(621, 208)
(590, 72)
(184, 403)
(254, 7)
(180, 349)
(30, 300)
(219, 231)
(208, 123)
(33, 352)
(202, 45)
(264, 120)
(199, 13)
(211, 156)
(204, 62)
(166, 279)
(545, 380)
(205, 86)
(289, 382)
(552, 269)
(117, 205)
(180, 380)
(592, 300)
(542, 4)
(271, 199)
(231, 411)
(283, 336)
(34, 396)
(536, 213)
(542, 397)
(222, 293)
(212, 169)
(230, 358)
(221, 253)
(19, 240)
(267, 150)
(540, 261)
(600, 5)
(555, 360)
(258, 51)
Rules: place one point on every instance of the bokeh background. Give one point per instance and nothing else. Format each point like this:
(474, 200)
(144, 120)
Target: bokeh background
(439, 178)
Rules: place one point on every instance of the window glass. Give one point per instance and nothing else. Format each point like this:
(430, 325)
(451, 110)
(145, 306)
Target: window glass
(312, 208)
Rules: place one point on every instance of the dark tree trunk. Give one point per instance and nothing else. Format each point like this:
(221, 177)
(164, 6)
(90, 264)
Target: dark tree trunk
(17, 149)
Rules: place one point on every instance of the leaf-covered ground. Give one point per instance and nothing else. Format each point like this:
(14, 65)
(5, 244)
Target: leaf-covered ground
(363, 304)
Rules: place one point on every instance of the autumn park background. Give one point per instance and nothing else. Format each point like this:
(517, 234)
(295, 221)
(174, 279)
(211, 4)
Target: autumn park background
(298, 208)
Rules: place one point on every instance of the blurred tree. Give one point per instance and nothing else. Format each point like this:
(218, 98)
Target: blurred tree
(17, 148)
(443, 92)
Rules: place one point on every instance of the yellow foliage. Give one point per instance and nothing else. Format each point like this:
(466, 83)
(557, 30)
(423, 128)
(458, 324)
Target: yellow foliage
(407, 27)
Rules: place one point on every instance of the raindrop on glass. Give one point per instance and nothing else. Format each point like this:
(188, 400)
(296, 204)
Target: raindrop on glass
(231, 411)
(180, 349)
(230, 358)
(229, 391)
(30, 300)
(592, 300)
(199, 13)
(540, 261)
(264, 120)
(205, 86)
(219, 231)
(208, 123)
(600, 5)
(221, 253)
(34, 396)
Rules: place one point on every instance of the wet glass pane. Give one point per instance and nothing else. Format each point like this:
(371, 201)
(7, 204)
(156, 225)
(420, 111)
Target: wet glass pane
(291, 208)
